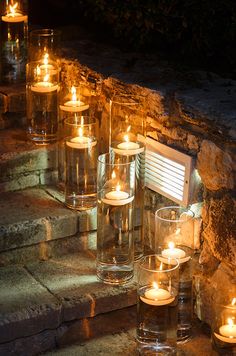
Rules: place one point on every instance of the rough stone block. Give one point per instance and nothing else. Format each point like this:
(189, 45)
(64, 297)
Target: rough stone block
(32, 216)
(74, 283)
(26, 306)
(215, 167)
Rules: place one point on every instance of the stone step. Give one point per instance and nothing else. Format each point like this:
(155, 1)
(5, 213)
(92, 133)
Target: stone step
(33, 221)
(23, 164)
(41, 299)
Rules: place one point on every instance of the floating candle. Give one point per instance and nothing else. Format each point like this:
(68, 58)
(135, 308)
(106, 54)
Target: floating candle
(13, 16)
(117, 197)
(74, 105)
(45, 86)
(81, 141)
(227, 332)
(173, 253)
(157, 296)
(128, 147)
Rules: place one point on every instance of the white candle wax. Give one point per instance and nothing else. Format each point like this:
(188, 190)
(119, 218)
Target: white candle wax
(157, 296)
(81, 142)
(44, 87)
(170, 254)
(117, 198)
(227, 333)
(128, 148)
(74, 106)
(17, 17)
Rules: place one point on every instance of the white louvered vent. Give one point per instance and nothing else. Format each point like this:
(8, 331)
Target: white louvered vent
(168, 172)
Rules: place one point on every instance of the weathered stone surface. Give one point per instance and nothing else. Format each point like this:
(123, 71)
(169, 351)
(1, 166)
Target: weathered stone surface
(32, 216)
(218, 287)
(16, 97)
(3, 102)
(73, 281)
(215, 167)
(26, 306)
(219, 229)
(45, 250)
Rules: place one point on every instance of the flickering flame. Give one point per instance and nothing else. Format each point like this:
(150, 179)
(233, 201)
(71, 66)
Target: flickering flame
(13, 9)
(45, 59)
(118, 187)
(161, 266)
(230, 322)
(113, 175)
(126, 138)
(177, 232)
(155, 285)
(233, 301)
(73, 92)
(38, 70)
(128, 128)
(171, 245)
(80, 131)
(46, 78)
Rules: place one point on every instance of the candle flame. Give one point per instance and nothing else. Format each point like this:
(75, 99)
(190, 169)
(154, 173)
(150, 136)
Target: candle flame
(38, 70)
(13, 9)
(230, 322)
(128, 128)
(126, 138)
(118, 187)
(171, 245)
(113, 175)
(80, 131)
(161, 266)
(46, 78)
(73, 92)
(155, 285)
(177, 232)
(233, 301)
(82, 121)
(45, 59)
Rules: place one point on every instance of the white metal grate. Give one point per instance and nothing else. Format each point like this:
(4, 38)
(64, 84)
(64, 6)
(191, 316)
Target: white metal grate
(168, 171)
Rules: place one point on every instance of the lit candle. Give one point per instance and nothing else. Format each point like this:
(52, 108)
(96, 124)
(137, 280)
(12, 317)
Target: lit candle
(46, 66)
(227, 332)
(173, 253)
(45, 86)
(81, 141)
(74, 105)
(157, 296)
(13, 15)
(117, 197)
(128, 147)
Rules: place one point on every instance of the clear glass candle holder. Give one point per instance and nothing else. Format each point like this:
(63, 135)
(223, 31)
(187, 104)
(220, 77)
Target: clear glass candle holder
(74, 102)
(127, 138)
(14, 32)
(174, 238)
(224, 328)
(157, 306)
(116, 190)
(80, 144)
(42, 89)
(44, 41)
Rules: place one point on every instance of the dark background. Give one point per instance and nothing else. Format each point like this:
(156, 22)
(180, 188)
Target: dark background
(197, 33)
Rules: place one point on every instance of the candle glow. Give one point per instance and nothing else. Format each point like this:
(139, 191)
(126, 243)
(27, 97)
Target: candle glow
(14, 14)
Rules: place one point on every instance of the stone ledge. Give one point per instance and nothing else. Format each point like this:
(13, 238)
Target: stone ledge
(42, 296)
(33, 216)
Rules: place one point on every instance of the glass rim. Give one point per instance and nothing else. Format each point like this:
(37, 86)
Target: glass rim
(45, 32)
(109, 154)
(190, 217)
(86, 124)
(141, 264)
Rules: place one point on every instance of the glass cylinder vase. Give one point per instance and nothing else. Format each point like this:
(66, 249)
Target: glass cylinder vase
(74, 102)
(127, 138)
(80, 144)
(116, 190)
(174, 238)
(14, 33)
(44, 41)
(42, 89)
(224, 327)
(157, 306)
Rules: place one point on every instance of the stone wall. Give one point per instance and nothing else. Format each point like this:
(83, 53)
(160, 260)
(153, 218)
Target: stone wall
(198, 120)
